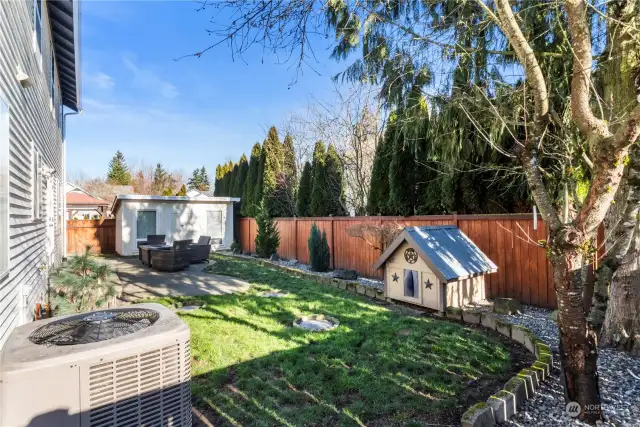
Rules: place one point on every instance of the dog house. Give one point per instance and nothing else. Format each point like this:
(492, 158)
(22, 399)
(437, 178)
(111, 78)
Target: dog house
(435, 267)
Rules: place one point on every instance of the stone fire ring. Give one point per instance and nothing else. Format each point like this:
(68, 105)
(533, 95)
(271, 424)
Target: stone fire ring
(316, 323)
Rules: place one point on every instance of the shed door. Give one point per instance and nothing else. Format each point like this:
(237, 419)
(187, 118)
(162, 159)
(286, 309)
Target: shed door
(214, 224)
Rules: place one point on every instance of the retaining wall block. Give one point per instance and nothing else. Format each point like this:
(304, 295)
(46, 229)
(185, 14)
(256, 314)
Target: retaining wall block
(503, 327)
(351, 287)
(342, 285)
(479, 415)
(370, 292)
(518, 333)
(380, 295)
(472, 317)
(530, 342)
(488, 321)
(360, 289)
(503, 404)
(531, 379)
(541, 369)
(518, 387)
(454, 313)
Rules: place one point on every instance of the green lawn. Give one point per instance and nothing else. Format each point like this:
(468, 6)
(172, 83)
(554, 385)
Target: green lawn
(380, 367)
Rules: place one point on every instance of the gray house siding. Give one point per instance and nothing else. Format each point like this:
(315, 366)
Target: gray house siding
(33, 126)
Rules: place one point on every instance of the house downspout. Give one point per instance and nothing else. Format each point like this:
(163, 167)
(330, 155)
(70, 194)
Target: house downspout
(64, 177)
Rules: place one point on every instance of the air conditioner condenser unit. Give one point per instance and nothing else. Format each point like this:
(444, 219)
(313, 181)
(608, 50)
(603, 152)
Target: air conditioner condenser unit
(123, 367)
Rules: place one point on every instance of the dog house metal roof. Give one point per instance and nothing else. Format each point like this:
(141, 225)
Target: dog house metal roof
(446, 250)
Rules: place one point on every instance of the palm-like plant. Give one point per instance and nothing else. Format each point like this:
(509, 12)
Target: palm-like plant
(84, 282)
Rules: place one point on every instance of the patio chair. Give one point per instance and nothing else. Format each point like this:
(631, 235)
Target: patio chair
(200, 251)
(175, 258)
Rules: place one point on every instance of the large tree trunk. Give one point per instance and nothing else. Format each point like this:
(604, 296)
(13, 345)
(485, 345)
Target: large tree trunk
(578, 341)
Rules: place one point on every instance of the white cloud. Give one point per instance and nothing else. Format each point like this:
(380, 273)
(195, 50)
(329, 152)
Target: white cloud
(147, 78)
(100, 80)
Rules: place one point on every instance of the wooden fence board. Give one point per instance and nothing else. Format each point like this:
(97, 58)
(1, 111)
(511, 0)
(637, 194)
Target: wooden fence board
(100, 234)
(524, 273)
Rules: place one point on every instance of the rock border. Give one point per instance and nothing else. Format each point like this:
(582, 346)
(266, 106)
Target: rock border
(505, 402)
(347, 285)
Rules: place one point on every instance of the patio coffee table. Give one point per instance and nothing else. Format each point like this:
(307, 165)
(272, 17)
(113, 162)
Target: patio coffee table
(147, 250)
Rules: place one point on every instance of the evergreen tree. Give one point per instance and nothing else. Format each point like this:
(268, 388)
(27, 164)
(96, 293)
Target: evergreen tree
(182, 191)
(228, 176)
(402, 178)
(318, 206)
(268, 236)
(161, 180)
(335, 196)
(233, 176)
(248, 192)
(319, 254)
(216, 188)
(304, 190)
(273, 167)
(378, 200)
(118, 173)
(238, 185)
(259, 187)
(204, 180)
(289, 164)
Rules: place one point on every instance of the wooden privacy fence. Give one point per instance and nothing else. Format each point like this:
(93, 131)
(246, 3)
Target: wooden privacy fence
(99, 233)
(524, 273)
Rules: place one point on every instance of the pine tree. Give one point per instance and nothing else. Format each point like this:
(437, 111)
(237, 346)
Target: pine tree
(402, 178)
(304, 190)
(248, 192)
(273, 167)
(118, 173)
(335, 197)
(160, 180)
(238, 185)
(204, 180)
(317, 205)
(377, 202)
(182, 191)
(195, 181)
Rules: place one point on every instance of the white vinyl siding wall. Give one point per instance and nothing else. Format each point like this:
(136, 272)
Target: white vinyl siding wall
(32, 120)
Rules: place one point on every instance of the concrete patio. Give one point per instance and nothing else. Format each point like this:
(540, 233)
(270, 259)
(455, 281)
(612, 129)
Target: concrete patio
(140, 282)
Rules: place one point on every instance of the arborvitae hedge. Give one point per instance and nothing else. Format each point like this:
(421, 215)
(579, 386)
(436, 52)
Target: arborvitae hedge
(402, 178)
(304, 190)
(243, 168)
(248, 192)
(319, 253)
(268, 236)
(378, 201)
(335, 190)
(317, 206)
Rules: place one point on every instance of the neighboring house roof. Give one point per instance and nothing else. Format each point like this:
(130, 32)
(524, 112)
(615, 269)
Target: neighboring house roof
(84, 200)
(446, 250)
(65, 26)
(141, 197)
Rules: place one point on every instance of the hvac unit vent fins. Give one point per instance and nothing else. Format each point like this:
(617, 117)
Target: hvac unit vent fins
(144, 390)
(94, 327)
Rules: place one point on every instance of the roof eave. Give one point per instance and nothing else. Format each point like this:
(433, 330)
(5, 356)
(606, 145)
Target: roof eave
(65, 30)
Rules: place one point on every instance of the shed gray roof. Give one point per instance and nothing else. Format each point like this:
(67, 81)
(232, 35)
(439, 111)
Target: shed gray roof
(446, 249)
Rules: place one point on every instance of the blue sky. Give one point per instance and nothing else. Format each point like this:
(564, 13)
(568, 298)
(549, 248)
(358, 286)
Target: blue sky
(184, 114)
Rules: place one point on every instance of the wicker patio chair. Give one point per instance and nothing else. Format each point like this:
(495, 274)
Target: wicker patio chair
(176, 258)
(200, 251)
(152, 239)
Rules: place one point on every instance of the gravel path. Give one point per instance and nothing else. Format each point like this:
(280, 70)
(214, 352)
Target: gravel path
(619, 389)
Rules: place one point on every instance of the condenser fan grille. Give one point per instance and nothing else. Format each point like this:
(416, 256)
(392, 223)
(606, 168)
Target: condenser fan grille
(94, 327)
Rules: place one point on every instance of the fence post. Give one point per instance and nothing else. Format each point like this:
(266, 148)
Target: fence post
(333, 253)
(455, 219)
(295, 236)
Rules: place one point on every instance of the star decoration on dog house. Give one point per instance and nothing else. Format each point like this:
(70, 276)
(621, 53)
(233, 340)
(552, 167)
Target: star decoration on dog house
(428, 284)
(395, 277)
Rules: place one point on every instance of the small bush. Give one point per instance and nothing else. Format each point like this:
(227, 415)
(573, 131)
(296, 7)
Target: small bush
(235, 247)
(268, 237)
(318, 249)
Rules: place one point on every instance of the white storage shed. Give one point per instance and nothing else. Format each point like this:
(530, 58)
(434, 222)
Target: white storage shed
(177, 217)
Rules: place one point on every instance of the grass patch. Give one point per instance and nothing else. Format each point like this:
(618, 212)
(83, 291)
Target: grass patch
(252, 368)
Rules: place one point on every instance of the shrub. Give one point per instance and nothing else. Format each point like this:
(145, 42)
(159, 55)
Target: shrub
(268, 237)
(84, 283)
(235, 247)
(318, 249)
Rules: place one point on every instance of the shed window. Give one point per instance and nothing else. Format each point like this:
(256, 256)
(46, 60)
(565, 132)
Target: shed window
(214, 224)
(4, 188)
(411, 283)
(145, 224)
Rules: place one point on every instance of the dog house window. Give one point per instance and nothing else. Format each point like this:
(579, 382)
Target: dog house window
(411, 283)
